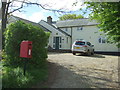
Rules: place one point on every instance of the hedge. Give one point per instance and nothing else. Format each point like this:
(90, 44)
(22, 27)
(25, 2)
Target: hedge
(15, 34)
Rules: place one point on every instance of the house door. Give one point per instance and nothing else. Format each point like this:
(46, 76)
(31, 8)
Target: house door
(57, 43)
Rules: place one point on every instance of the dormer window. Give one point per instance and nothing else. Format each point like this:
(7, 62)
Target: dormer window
(79, 28)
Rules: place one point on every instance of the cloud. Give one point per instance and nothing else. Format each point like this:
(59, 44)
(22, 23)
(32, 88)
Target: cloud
(36, 17)
(51, 4)
(62, 4)
(66, 5)
(19, 14)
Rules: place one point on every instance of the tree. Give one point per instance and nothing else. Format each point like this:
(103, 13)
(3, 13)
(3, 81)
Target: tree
(10, 6)
(70, 16)
(108, 15)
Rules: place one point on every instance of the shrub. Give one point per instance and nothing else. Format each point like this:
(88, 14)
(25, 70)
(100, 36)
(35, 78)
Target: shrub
(15, 34)
(14, 78)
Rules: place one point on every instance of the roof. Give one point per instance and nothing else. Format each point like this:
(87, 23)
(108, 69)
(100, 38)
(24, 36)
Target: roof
(57, 28)
(81, 40)
(33, 23)
(76, 22)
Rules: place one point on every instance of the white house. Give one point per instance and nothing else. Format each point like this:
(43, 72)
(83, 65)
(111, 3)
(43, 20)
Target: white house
(64, 33)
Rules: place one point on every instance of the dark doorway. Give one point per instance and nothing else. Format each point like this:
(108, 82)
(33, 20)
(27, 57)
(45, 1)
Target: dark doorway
(57, 43)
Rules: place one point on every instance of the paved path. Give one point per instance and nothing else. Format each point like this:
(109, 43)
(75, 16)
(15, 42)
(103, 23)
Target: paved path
(69, 71)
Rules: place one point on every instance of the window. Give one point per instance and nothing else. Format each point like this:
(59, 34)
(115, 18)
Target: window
(79, 28)
(67, 40)
(80, 43)
(66, 29)
(54, 39)
(53, 46)
(99, 40)
(60, 46)
(60, 39)
(102, 40)
(88, 43)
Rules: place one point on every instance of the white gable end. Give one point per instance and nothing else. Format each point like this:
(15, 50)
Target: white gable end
(50, 27)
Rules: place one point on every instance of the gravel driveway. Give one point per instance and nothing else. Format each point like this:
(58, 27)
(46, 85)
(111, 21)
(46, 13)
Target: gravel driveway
(70, 71)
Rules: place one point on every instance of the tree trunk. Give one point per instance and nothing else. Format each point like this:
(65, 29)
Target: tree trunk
(4, 19)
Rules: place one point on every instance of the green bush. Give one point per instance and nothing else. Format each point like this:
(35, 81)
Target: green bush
(37, 70)
(14, 78)
(15, 34)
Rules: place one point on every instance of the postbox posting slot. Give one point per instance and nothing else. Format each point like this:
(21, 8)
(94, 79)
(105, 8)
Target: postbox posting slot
(29, 44)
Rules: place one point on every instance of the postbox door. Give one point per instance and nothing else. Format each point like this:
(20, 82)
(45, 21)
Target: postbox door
(26, 49)
(23, 49)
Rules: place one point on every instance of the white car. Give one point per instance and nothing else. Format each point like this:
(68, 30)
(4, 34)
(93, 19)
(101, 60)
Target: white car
(82, 46)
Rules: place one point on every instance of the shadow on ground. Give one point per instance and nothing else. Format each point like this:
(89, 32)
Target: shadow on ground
(61, 77)
(50, 53)
(94, 56)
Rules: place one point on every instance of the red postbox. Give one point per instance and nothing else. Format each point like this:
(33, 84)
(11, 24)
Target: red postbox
(26, 49)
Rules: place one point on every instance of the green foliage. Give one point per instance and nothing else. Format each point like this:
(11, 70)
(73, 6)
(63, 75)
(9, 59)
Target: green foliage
(12, 75)
(108, 14)
(70, 16)
(15, 34)
(14, 78)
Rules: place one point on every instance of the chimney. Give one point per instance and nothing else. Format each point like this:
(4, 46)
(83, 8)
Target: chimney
(49, 19)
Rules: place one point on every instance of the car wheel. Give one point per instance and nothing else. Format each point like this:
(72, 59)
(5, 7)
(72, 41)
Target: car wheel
(88, 53)
(92, 52)
(74, 53)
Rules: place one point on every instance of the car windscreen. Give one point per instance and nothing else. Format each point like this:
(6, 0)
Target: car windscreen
(80, 43)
